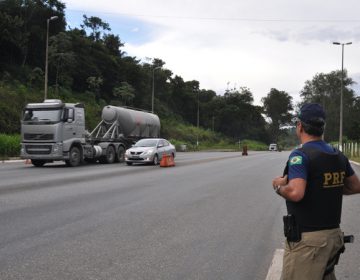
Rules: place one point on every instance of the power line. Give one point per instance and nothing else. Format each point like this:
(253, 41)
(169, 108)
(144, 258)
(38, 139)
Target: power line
(230, 18)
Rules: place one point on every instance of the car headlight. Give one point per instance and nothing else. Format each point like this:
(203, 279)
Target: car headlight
(149, 152)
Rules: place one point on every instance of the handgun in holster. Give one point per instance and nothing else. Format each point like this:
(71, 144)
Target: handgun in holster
(335, 260)
(291, 229)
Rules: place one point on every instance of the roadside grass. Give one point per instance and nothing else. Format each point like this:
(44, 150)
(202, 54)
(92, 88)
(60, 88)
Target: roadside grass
(9, 146)
(356, 159)
(200, 139)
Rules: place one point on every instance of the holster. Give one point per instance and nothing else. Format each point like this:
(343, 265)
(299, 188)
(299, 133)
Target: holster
(291, 229)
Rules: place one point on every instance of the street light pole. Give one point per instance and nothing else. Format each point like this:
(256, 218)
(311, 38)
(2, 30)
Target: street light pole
(153, 88)
(46, 54)
(341, 92)
(198, 116)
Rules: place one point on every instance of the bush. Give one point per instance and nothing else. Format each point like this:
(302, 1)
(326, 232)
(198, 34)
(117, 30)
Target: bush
(9, 146)
(254, 145)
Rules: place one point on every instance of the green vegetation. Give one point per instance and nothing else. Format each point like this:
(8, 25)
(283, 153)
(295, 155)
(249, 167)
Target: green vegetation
(9, 146)
(357, 159)
(87, 65)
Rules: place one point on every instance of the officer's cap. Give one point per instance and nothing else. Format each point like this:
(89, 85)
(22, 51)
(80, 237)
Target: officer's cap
(313, 114)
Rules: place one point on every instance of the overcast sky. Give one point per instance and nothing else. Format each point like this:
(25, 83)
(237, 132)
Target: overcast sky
(232, 43)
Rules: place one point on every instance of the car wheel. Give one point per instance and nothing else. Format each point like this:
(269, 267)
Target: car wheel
(129, 163)
(156, 160)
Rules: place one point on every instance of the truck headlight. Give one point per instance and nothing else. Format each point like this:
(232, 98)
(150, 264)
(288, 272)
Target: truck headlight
(58, 148)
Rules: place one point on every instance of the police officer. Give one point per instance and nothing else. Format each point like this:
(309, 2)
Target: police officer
(317, 177)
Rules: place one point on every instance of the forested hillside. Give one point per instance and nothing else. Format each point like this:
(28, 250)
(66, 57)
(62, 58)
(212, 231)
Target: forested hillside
(87, 64)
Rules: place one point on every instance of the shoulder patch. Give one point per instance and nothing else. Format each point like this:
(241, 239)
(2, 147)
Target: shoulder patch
(295, 160)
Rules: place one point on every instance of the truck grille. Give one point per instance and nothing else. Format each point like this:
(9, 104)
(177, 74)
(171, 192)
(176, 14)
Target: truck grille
(38, 136)
(38, 149)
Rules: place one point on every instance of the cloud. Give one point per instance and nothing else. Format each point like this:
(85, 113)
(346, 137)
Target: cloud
(313, 33)
(259, 44)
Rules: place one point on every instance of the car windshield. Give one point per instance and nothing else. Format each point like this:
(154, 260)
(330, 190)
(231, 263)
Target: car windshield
(146, 143)
(49, 115)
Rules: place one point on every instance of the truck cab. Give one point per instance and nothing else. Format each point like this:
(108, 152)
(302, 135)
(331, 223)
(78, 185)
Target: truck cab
(50, 130)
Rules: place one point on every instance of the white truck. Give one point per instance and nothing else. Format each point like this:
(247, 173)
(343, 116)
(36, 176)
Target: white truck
(53, 130)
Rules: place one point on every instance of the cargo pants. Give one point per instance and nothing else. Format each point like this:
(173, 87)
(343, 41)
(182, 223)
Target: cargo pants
(307, 259)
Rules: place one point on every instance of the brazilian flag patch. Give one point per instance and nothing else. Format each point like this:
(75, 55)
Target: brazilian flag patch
(296, 160)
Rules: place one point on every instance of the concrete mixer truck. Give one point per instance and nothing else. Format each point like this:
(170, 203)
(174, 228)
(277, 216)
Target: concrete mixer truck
(53, 130)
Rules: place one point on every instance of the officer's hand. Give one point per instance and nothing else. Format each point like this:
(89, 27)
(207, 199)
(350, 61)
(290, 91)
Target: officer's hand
(279, 181)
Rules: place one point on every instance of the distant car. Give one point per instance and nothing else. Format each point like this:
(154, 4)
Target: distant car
(273, 147)
(149, 150)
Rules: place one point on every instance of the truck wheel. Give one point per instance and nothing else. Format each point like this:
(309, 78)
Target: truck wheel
(120, 156)
(74, 157)
(156, 160)
(37, 162)
(110, 155)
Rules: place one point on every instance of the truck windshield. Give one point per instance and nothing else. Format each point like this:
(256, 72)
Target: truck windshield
(42, 115)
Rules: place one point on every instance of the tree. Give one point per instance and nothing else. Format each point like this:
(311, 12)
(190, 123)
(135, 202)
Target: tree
(277, 107)
(113, 44)
(36, 77)
(94, 84)
(95, 24)
(126, 92)
(234, 115)
(23, 29)
(62, 58)
(325, 89)
(353, 131)
(12, 40)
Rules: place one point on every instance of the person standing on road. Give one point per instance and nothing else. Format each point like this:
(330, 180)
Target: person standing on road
(314, 181)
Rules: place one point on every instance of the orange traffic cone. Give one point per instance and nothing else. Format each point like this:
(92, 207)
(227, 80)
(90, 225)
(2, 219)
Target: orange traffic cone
(167, 161)
(171, 161)
(164, 160)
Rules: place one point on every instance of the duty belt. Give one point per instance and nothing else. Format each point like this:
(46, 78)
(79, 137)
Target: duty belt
(310, 229)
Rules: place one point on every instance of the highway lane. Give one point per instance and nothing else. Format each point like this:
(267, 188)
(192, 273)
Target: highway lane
(213, 216)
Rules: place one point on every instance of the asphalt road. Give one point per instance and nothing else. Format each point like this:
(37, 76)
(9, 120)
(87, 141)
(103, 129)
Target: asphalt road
(212, 216)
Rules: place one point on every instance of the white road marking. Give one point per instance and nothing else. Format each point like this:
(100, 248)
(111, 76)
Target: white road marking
(274, 272)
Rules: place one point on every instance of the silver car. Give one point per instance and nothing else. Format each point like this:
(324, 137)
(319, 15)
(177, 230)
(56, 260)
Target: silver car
(149, 150)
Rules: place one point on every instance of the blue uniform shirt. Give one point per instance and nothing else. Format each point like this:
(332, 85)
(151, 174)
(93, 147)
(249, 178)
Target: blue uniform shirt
(299, 162)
